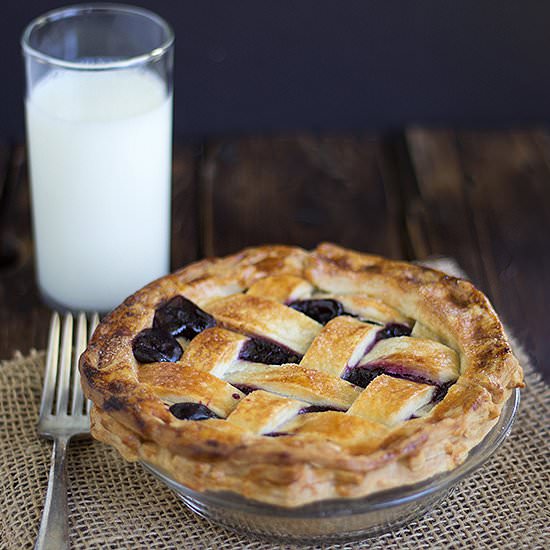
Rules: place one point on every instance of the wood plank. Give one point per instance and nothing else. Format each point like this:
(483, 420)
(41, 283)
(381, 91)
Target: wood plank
(8, 184)
(185, 236)
(23, 318)
(438, 215)
(509, 189)
(299, 190)
(484, 199)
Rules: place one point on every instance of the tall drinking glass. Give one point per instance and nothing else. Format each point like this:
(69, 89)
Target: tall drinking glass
(99, 133)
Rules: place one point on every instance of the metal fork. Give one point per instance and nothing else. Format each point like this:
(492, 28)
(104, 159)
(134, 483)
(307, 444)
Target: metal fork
(64, 413)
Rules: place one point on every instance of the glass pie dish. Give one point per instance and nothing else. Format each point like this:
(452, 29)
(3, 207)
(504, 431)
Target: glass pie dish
(345, 519)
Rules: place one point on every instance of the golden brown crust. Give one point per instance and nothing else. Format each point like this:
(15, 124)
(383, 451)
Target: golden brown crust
(330, 454)
(340, 344)
(388, 400)
(265, 318)
(175, 382)
(420, 357)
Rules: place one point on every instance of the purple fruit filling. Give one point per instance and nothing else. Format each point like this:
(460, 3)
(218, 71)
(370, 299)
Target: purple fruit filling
(192, 411)
(369, 321)
(392, 330)
(277, 434)
(361, 376)
(318, 408)
(321, 311)
(397, 371)
(440, 392)
(263, 351)
(153, 345)
(181, 317)
(244, 388)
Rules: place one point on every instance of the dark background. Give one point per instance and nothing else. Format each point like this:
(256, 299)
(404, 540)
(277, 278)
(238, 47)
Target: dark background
(249, 65)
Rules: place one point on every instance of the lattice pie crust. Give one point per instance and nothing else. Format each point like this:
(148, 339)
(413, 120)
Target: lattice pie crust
(255, 387)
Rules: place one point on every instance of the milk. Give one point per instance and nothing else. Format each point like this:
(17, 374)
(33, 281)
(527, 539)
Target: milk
(100, 165)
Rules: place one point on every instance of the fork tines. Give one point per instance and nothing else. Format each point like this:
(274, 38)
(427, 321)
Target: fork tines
(62, 392)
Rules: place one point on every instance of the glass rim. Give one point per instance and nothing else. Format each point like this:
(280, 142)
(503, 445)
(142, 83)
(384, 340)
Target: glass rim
(79, 9)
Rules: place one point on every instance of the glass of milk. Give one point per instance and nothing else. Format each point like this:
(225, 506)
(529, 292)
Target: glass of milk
(99, 135)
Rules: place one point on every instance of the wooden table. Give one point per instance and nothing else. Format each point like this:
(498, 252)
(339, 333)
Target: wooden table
(483, 198)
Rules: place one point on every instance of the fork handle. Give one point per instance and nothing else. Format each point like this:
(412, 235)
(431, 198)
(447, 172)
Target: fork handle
(53, 533)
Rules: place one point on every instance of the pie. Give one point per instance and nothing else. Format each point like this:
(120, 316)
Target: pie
(289, 377)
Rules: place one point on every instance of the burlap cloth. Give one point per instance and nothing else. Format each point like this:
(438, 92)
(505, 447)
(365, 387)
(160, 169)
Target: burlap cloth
(114, 504)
